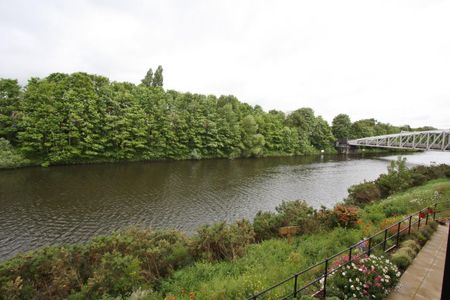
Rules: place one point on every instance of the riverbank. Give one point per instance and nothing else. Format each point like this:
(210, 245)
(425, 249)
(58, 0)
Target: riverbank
(219, 262)
(11, 158)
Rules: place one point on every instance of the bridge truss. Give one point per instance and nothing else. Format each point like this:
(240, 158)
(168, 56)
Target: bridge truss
(438, 140)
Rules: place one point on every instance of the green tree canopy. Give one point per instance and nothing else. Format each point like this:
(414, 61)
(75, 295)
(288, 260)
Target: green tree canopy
(148, 79)
(158, 80)
(341, 126)
(9, 108)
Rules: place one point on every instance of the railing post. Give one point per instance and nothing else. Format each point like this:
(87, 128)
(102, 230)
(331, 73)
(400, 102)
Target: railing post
(325, 275)
(426, 219)
(385, 240)
(398, 234)
(350, 254)
(295, 285)
(369, 246)
(409, 224)
(434, 212)
(418, 223)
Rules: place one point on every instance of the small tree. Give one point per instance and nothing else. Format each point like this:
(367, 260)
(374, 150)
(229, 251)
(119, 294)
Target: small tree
(148, 79)
(398, 178)
(158, 77)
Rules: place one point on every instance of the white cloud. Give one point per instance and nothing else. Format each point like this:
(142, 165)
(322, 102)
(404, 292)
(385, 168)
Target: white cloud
(382, 59)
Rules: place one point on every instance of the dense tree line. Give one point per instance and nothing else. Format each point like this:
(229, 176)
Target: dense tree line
(82, 117)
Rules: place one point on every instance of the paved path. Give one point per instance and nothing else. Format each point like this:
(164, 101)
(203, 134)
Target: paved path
(423, 279)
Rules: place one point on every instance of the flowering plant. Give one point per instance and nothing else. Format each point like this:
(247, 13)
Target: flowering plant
(364, 278)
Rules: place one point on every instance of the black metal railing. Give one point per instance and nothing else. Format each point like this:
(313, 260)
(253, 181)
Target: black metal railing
(385, 240)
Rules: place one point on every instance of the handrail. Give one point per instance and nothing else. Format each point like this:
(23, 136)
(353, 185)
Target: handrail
(323, 276)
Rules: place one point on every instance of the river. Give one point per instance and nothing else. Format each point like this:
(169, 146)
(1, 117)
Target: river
(67, 204)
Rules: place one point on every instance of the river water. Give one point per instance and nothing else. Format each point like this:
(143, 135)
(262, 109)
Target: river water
(67, 204)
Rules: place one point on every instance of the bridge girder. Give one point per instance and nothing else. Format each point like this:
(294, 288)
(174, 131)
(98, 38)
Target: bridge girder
(437, 140)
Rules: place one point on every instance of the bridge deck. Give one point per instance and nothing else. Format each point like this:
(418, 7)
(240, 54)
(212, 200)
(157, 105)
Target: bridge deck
(424, 140)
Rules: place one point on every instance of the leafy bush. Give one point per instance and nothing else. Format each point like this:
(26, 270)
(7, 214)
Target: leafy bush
(222, 241)
(432, 172)
(427, 232)
(397, 179)
(370, 277)
(402, 259)
(363, 193)
(116, 275)
(10, 157)
(421, 239)
(346, 215)
(110, 264)
(266, 225)
(418, 179)
(411, 244)
(295, 213)
(325, 218)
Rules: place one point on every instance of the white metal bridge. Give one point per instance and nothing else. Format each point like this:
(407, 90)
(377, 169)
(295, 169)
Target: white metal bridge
(438, 140)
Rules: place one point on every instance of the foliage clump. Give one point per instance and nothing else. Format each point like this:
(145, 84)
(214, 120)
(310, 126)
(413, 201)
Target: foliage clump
(363, 193)
(9, 156)
(346, 215)
(223, 241)
(112, 265)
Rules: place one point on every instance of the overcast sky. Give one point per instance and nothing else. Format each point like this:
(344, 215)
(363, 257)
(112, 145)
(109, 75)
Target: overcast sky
(384, 59)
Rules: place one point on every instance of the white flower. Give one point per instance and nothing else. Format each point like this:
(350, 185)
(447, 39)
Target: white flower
(352, 287)
(343, 273)
(350, 280)
(357, 279)
(354, 295)
(398, 274)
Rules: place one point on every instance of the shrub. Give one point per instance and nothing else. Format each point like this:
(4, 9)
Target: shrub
(10, 157)
(370, 277)
(432, 172)
(160, 252)
(418, 179)
(427, 232)
(294, 213)
(363, 193)
(325, 218)
(266, 225)
(410, 251)
(222, 241)
(402, 258)
(421, 239)
(411, 244)
(397, 179)
(116, 275)
(346, 215)
(109, 264)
